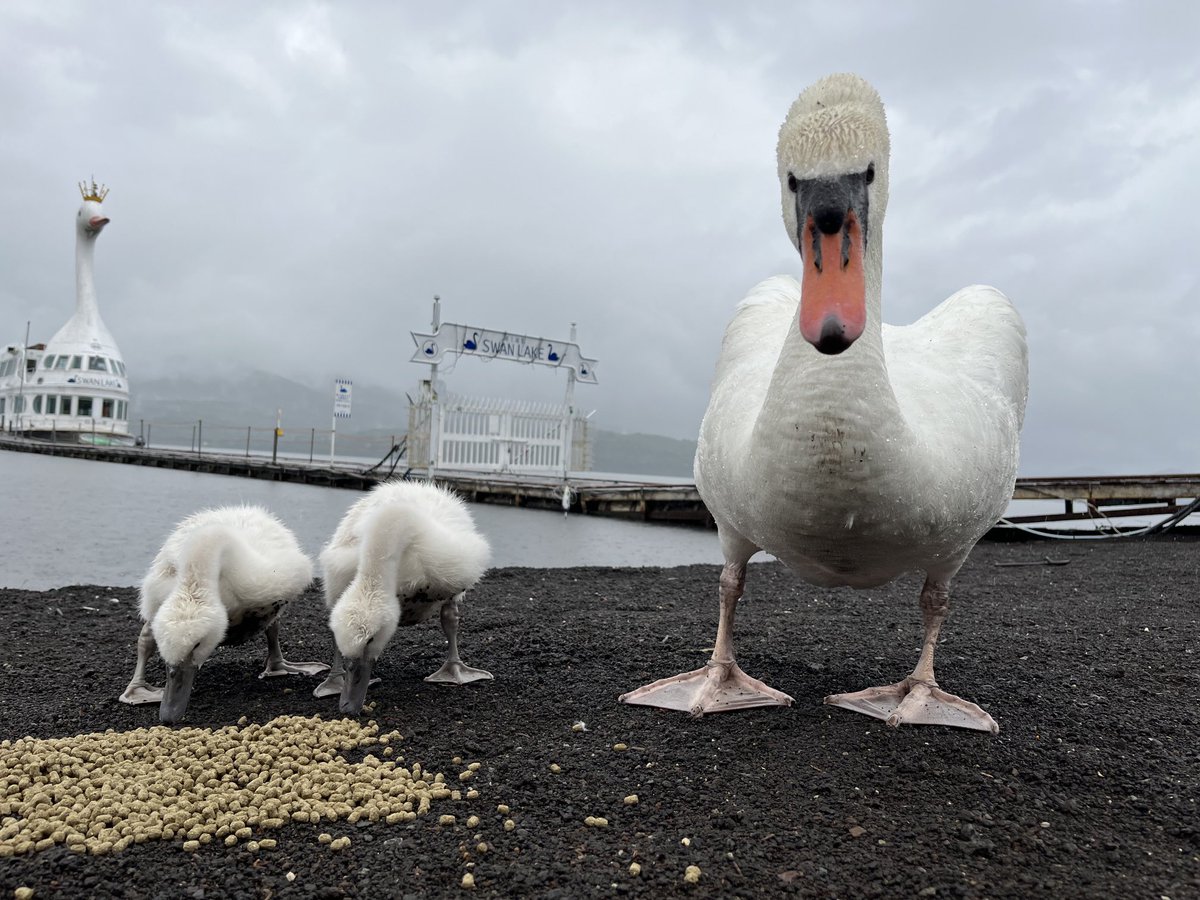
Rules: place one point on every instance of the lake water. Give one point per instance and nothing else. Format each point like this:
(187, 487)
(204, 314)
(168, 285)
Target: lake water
(72, 521)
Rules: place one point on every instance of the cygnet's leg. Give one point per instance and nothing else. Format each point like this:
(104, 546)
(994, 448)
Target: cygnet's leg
(332, 685)
(721, 685)
(138, 691)
(917, 700)
(454, 670)
(277, 665)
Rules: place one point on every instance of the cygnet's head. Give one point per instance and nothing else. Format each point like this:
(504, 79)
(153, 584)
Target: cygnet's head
(833, 172)
(187, 629)
(363, 621)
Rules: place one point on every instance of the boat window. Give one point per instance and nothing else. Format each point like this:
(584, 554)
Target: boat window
(18, 404)
(1, 406)
(122, 365)
(76, 362)
(62, 362)
(97, 364)
(37, 403)
(48, 362)
(65, 406)
(51, 404)
(83, 406)
(106, 409)
(122, 409)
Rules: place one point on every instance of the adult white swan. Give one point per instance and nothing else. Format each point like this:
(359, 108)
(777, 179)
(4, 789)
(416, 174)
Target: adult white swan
(851, 450)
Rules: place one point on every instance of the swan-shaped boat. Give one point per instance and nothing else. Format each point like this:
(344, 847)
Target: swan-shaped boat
(852, 451)
(223, 576)
(404, 553)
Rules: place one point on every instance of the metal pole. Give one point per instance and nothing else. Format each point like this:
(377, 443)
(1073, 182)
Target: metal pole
(148, 436)
(247, 442)
(569, 425)
(200, 438)
(192, 445)
(312, 440)
(278, 431)
(21, 389)
(332, 438)
(435, 429)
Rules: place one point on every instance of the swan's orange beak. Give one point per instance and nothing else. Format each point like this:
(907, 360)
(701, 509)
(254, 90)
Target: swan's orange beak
(833, 291)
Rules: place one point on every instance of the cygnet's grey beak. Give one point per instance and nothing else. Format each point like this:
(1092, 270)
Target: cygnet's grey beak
(177, 692)
(354, 688)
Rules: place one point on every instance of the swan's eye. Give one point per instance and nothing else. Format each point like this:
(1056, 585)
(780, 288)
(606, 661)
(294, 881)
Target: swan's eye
(792, 183)
(870, 172)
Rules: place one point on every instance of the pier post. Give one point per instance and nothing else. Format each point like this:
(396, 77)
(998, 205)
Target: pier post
(278, 432)
(247, 442)
(200, 437)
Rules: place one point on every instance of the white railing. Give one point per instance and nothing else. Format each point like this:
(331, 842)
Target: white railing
(495, 435)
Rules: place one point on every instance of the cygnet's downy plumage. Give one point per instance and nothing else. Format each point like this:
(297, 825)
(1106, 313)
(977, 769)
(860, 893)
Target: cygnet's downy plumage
(223, 576)
(401, 555)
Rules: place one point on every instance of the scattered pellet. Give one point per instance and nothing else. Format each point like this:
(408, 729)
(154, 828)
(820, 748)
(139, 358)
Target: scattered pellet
(687, 841)
(468, 881)
(472, 794)
(23, 893)
(692, 875)
(579, 726)
(635, 869)
(620, 747)
(481, 847)
(502, 809)
(596, 822)
(447, 820)
(555, 768)
(509, 824)
(466, 776)
(631, 800)
(191, 846)
(472, 821)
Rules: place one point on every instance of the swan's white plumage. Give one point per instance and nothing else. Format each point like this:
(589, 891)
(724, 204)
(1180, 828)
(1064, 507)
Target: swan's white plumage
(216, 568)
(896, 455)
(398, 554)
(851, 450)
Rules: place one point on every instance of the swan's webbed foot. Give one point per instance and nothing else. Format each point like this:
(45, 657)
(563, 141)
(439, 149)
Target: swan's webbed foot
(283, 667)
(139, 692)
(916, 702)
(718, 687)
(455, 671)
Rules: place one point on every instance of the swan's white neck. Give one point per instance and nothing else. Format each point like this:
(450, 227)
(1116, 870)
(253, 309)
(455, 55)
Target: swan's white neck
(86, 308)
(848, 391)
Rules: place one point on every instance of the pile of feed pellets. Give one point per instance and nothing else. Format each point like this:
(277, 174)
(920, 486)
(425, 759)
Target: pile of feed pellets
(100, 793)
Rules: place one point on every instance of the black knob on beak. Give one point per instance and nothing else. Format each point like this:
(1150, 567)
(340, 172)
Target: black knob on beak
(829, 219)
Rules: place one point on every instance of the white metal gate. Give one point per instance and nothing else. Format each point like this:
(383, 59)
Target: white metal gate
(494, 435)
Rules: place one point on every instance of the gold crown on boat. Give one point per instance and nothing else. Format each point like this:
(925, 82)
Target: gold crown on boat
(97, 192)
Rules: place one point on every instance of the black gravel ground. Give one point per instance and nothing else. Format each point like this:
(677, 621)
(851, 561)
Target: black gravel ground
(1091, 788)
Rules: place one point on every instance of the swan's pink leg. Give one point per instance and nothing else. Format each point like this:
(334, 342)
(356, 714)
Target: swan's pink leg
(721, 685)
(917, 700)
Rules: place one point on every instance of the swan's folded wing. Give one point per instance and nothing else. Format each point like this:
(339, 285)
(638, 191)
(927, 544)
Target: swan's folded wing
(969, 349)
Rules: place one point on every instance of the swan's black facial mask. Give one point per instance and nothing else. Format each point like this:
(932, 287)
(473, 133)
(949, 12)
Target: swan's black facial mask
(828, 201)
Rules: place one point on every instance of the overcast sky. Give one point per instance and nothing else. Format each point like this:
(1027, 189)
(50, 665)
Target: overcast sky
(293, 182)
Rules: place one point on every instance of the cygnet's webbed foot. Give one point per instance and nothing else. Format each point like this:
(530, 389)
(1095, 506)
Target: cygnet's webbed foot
(283, 667)
(718, 687)
(913, 702)
(139, 692)
(455, 671)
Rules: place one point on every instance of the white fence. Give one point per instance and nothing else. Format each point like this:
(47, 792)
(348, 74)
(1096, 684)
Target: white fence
(493, 435)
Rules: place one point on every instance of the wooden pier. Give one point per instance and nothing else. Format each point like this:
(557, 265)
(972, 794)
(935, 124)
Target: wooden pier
(1102, 498)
